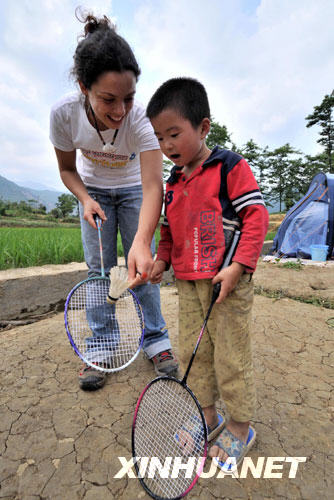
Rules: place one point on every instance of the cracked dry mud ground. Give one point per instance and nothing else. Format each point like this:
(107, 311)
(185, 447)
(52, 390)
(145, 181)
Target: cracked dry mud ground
(57, 442)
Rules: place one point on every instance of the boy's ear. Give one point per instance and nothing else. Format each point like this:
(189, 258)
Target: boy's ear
(206, 125)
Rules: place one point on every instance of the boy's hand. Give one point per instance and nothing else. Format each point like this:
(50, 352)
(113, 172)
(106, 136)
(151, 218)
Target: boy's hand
(159, 267)
(229, 278)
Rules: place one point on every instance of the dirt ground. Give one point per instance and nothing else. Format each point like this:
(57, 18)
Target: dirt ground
(57, 442)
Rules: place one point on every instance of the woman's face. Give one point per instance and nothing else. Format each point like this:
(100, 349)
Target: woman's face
(111, 97)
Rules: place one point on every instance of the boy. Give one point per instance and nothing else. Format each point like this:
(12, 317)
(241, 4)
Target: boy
(209, 195)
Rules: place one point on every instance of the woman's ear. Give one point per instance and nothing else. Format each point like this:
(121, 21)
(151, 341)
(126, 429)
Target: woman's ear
(206, 125)
(83, 88)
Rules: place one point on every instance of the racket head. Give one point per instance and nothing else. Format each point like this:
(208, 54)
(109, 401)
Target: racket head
(106, 337)
(166, 412)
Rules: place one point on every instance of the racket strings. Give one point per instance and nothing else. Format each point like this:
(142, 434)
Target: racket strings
(108, 336)
(168, 425)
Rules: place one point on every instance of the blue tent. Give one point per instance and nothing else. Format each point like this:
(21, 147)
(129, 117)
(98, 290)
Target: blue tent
(309, 222)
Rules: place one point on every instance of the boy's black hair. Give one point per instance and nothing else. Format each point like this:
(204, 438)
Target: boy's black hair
(101, 49)
(186, 96)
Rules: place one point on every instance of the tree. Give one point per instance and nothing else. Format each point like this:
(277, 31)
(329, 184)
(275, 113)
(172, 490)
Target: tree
(23, 207)
(42, 208)
(3, 207)
(33, 203)
(286, 175)
(56, 213)
(66, 204)
(257, 159)
(312, 166)
(36, 207)
(218, 136)
(323, 116)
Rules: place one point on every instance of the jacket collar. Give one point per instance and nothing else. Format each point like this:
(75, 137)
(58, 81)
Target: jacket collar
(216, 156)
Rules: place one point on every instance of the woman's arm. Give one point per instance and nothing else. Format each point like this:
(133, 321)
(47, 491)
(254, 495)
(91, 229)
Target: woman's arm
(72, 180)
(140, 258)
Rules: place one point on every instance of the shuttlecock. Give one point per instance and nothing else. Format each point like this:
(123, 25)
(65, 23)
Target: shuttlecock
(109, 148)
(118, 283)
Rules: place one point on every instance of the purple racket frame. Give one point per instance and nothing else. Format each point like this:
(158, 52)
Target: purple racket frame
(103, 277)
(77, 351)
(205, 435)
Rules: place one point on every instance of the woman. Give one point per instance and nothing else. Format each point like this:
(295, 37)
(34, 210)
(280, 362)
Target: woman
(116, 175)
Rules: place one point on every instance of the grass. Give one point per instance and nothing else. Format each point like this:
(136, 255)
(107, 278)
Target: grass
(36, 246)
(270, 236)
(25, 247)
(327, 303)
(297, 266)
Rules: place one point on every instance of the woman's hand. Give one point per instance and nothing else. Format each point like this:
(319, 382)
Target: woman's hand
(159, 267)
(92, 207)
(140, 261)
(140, 257)
(229, 278)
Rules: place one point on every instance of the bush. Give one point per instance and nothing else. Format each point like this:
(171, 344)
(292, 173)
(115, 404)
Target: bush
(56, 213)
(72, 220)
(51, 218)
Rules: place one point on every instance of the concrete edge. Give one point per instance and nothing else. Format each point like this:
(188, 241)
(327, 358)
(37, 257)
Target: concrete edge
(36, 291)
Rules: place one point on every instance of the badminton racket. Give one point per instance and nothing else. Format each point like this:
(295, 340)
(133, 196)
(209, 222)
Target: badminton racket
(169, 425)
(106, 336)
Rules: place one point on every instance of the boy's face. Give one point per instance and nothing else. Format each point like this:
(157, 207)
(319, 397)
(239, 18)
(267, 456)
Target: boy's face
(179, 140)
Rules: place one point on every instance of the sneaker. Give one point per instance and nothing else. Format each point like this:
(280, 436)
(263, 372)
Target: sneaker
(91, 379)
(165, 363)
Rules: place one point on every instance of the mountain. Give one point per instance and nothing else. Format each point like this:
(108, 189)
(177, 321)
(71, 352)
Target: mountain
(9, 191)
(35, 185)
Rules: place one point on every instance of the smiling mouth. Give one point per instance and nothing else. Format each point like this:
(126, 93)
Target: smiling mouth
(114, 119)
(175, 157)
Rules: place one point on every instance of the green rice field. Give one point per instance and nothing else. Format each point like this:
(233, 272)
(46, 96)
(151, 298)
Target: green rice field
(26, 247)
(33, 246)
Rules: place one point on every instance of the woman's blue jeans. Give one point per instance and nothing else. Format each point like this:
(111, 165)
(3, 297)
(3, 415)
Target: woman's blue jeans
(122, 206)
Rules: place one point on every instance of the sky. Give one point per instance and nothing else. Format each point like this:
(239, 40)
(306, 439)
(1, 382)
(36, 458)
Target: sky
(265, 65)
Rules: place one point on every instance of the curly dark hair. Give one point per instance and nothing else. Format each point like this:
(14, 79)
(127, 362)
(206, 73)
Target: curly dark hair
(101, 50)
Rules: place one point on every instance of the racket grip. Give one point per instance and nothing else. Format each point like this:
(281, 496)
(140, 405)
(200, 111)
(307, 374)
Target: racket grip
(216, 291)
(97, 220)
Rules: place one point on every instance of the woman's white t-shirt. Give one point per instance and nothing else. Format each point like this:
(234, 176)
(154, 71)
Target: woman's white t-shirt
(70, 130)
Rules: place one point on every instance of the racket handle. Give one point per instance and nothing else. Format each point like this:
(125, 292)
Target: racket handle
(97, 220)
(216, 291)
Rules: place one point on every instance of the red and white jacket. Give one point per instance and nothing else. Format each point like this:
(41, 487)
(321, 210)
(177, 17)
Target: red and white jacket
(203, 211)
